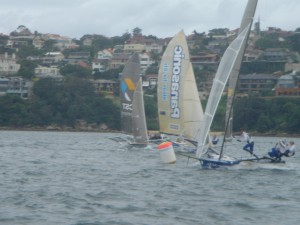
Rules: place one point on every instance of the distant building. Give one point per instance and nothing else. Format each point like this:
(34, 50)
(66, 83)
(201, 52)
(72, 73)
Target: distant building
(76, 57)
(100, 65)
(22, 36)
(277, 55)
(292, 67)
(145, 61)
(44, 71)
(150, 80)
(118, 60)
(104, 86)
(8, 64)
(256, 83)
(15, 86)
(288, 85)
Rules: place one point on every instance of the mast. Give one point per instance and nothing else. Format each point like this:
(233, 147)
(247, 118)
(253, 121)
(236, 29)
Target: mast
(233, 79)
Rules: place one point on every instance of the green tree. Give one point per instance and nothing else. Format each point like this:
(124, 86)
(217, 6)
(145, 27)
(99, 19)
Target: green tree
(75, 71)
(28, 50)
(27, 69)
(136, 31)
(49, 46)
(14, 111)
(263, 123)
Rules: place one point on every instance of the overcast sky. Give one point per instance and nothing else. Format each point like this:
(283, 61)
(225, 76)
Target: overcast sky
(162, 18)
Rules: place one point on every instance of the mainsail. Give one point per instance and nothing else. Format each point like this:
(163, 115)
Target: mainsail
(132, 102)
(246, 21)
(179, 107)
(224, 70)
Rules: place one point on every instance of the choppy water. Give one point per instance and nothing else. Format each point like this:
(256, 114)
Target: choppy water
(85, 178)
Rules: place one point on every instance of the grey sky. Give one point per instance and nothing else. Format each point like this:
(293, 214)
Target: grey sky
(162, 18)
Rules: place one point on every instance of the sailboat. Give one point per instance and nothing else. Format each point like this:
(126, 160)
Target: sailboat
(132, 103)
(232, 84)
(224, 70)
(229, 66)
(179, 107)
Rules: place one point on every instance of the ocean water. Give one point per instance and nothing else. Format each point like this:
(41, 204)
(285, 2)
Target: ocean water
(85, 178)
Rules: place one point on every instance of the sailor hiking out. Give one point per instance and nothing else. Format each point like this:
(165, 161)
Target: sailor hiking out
(283, 149)
(249, 147)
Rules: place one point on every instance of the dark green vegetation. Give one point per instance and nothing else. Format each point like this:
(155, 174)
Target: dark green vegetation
(59, 103)
(262, 115)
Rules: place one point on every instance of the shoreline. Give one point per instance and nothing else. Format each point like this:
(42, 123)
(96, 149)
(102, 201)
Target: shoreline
(59, 129)
(95, 130)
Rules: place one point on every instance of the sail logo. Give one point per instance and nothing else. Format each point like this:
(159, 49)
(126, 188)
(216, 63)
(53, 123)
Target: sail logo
(127, 106)
(165, 82)
(175, 80)
(127, 86)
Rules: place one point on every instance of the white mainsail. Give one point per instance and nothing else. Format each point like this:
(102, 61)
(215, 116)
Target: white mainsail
(179, 107)
(224, 70)
(247, 20)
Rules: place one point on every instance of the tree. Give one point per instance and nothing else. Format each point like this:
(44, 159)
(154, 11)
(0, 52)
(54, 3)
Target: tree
(49, 46)
(263, 123)
(13, 111)
(28, 50)
(137, 31)
(101, 42)
(76, 71)
(27, 69)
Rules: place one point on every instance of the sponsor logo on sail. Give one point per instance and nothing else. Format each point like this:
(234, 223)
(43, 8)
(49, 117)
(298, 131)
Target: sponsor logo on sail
(127, 86)
(164, 87)
(175, 80)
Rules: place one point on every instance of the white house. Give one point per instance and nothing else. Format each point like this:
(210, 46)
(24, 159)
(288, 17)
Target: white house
(8, 64)
(145, 61)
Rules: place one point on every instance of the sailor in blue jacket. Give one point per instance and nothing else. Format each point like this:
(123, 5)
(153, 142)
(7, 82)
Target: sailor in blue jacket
(249, 147)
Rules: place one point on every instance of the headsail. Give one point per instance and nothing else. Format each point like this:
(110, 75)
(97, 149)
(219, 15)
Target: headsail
(224, 70)
(247, 20)
(179, 108)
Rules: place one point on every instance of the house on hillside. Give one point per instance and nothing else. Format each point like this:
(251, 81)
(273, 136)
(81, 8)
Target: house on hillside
(256, 83)
(104, 86)
(8, 64)
(288, 85)
(15, 86)
(45, 71)
(118, 60)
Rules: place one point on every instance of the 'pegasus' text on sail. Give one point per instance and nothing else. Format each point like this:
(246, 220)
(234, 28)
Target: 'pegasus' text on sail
(176, 73)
